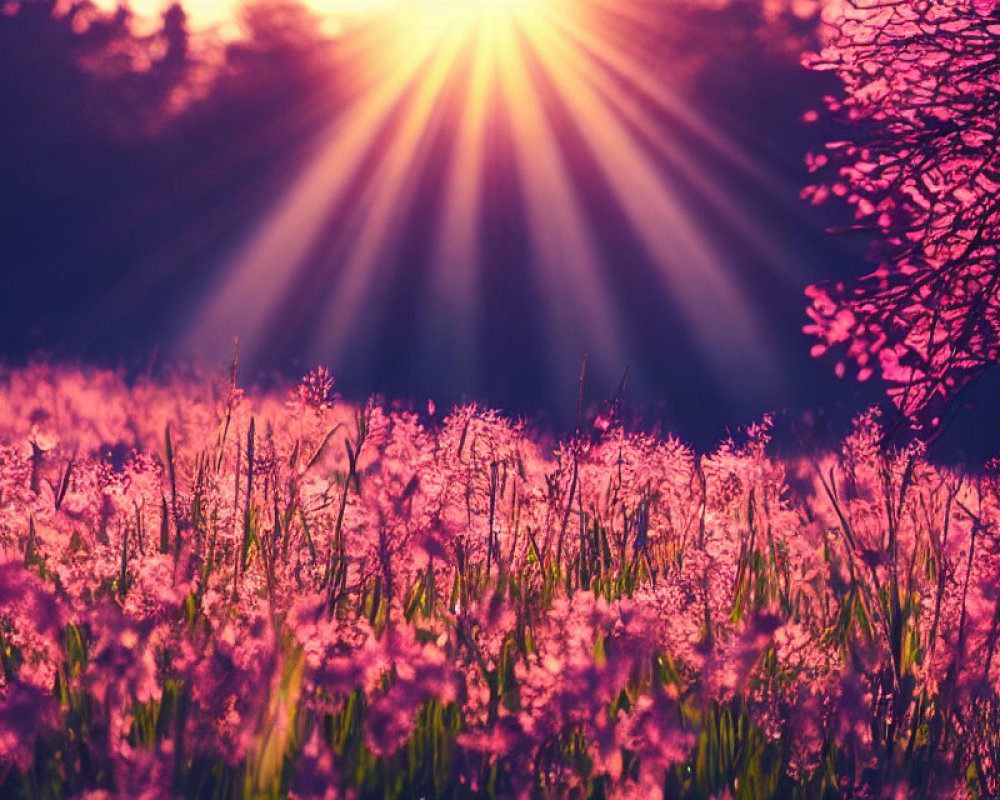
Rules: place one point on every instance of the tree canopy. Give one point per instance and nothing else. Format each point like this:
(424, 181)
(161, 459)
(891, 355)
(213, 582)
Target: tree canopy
(921, 87)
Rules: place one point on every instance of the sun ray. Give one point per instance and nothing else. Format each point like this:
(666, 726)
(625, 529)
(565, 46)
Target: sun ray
(453, 286)
(570, 278)
(251, 288)
(524, 148)
(393, 189)
(700, 285)
(629, 90)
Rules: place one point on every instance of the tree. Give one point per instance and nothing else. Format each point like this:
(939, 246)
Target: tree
(922, 93)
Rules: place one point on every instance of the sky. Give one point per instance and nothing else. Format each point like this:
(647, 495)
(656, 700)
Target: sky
(438, 200)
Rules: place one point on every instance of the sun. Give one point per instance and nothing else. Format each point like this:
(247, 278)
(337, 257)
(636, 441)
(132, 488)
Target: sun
(402, 9)
(480, 5)
(481, 149)
(361, 6)
(419, 19)
(483, 6)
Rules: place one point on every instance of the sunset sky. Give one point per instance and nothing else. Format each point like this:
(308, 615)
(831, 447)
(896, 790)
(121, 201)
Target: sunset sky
(439, 200)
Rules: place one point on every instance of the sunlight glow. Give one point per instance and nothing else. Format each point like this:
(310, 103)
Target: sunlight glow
(532, 127)
(477, 6)
(222, 18)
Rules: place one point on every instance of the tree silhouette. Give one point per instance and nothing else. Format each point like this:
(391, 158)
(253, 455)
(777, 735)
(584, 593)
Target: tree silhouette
(922, 169)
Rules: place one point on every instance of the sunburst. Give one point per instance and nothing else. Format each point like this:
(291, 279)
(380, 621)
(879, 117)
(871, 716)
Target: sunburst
(525, 148)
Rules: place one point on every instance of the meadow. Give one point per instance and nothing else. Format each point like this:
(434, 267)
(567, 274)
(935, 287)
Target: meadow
(206, 592)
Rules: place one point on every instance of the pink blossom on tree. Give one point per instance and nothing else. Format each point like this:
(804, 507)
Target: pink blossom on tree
(922, 88)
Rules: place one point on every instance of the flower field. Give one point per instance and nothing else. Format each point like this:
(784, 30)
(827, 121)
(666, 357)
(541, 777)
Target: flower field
(219, 594)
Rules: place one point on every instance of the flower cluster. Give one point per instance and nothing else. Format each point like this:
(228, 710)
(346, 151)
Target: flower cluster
(205, 592)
